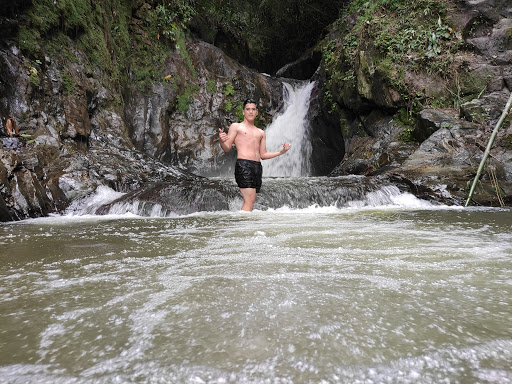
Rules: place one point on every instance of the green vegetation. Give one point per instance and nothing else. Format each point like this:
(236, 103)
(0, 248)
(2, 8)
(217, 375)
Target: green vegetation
(187, 97)
(394, 37)
(229, 90)
(404, 117)
(172, 17)
(95, 30)
(211, 87)
(182, 49)
(105, 33)
(33, 73)
(67, 82)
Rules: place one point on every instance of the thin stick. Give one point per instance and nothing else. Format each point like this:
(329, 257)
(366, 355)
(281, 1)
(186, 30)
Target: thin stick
(494, 182)
(488, 149)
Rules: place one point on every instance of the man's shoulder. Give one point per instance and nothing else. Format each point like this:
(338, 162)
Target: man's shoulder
(235, 126)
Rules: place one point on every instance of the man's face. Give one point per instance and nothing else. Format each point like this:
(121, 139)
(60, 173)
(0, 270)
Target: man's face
(250, 111)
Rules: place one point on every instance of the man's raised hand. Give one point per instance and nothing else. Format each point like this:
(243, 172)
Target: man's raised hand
(286, 147)
(222, 135)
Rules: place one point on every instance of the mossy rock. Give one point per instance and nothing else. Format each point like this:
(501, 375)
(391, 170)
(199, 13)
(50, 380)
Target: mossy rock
(474, 82)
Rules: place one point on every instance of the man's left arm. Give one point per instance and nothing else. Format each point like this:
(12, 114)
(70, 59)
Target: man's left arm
(269, 155)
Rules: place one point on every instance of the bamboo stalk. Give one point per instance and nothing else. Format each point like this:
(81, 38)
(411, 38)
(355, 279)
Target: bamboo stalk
(488, 148)
(494, 183)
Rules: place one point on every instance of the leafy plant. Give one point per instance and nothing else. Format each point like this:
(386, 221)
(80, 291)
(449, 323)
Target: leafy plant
(229, 90)
(434, 39)
(173, 16)
(211, 87)
(185, 99)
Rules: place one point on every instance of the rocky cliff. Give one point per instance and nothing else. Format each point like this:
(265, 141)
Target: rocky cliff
(80, 129)
(83, 124)
(72, 142)
(419, 94)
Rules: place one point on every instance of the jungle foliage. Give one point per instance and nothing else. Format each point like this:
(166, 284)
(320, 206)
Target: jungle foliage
(128, 40)
(400, 36)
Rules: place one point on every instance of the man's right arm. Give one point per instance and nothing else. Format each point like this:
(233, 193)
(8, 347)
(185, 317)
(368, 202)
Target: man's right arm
(227, 140)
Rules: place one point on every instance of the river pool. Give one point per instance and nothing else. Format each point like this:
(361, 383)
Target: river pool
(390, 294)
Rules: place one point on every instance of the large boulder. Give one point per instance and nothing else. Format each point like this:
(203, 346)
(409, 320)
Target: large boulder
(448, 159)
(373, 145)
(179, 124)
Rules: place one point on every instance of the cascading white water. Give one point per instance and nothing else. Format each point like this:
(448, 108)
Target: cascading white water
(290, 127)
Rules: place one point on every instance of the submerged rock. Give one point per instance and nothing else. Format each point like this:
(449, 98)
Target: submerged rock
(174, 199)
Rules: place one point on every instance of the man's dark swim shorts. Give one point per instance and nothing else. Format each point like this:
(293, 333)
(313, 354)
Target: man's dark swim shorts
(248, 174)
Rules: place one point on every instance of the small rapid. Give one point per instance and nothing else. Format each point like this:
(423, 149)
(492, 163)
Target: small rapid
(354, 192)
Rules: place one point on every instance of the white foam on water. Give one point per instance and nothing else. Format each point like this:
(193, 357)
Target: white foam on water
(88, 205)
(390, 197)
(386, 198)
(285, 295)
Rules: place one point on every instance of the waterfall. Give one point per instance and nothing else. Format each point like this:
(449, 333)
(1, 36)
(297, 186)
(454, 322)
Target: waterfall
(290, 127)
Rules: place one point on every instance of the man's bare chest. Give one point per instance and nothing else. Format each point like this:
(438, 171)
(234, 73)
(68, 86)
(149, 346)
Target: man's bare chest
(249, 136)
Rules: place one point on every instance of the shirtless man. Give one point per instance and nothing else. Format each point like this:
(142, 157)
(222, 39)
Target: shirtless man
(251, 149)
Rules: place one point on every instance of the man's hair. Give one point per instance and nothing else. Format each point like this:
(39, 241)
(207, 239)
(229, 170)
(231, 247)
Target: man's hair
(249, 101)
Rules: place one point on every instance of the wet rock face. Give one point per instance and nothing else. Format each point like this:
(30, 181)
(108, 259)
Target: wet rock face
(180, 125)
(73, 142)
(23, 191)
(326, 138)
(452, 141)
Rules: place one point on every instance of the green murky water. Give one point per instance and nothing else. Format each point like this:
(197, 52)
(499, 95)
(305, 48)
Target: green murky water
(381, 295)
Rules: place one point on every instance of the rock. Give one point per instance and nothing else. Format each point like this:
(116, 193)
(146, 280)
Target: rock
(181, 126)
(491, 9)
(446, 162)
(497, 41)
(326, 139)
(303, 68)
(5, 212)
(486, 110)
(172, 199)
(431, 120)
(373, 145)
